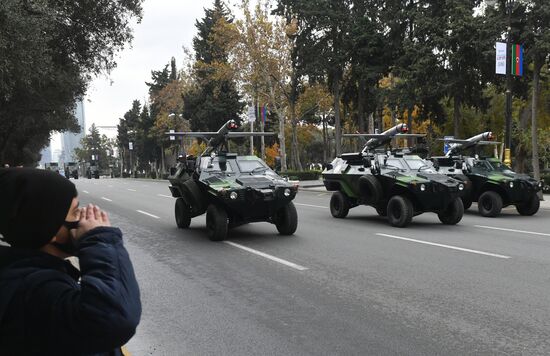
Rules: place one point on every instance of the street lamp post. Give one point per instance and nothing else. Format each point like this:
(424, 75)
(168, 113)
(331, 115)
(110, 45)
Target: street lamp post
(181, 117)
(508, 125)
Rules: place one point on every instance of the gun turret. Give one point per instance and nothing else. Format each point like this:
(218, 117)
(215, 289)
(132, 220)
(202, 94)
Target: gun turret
(456, 145)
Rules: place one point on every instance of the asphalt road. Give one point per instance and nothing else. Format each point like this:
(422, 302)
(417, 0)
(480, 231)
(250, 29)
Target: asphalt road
(353, 286)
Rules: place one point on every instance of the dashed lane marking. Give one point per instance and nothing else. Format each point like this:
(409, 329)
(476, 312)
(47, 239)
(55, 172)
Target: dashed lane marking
(148, 214)
(132, 190)
(165, 196)
(512, 230)
(85, 191)
(269, 257)
(312, 206)
(106, 199)
(445, 246)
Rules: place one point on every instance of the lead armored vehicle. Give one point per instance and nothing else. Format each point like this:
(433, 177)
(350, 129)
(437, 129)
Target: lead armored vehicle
(489, 182)
(231, 189)
(398, 185)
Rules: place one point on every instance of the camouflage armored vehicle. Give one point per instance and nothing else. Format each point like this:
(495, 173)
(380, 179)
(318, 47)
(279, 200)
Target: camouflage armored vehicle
(231, 189)
(396, 184)
(92, 170)
(489, 182)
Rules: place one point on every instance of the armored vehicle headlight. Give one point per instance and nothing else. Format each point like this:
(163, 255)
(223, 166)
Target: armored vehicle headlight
(461, 186)
(233, 195)
(540, 183)
(511, 184)
(422, 187)
(287, 192)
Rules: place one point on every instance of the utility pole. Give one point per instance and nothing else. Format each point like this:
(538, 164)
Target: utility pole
(508, 126)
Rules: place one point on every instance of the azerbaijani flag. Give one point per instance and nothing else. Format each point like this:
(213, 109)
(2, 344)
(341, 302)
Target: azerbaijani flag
(517, 60)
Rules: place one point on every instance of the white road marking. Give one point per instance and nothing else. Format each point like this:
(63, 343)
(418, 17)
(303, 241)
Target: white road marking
(512, 230)
(312, 206)
(148, 214)
(269, 257)
(445, 246)
(85, 191)
(165, 196)
(132, 190)
(106, 199)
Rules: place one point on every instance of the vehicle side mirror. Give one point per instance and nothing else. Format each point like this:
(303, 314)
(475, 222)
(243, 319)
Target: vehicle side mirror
(366, 162)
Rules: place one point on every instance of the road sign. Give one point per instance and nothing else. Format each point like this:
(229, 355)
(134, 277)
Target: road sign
(251, 114)
(172, 138)
(447, 145)
(131, 145)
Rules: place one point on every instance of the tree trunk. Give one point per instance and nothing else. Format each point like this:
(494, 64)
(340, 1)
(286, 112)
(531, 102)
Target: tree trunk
(534, 127)
(410, 124)
(361, 106)
(295, 159)
(371, 123)
(337, 122)
(456, 115)
(521, 152)
(325, 139)
(282, 143)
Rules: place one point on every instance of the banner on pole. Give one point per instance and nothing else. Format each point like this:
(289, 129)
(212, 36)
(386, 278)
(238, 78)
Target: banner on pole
(517, 60)
(500, 60)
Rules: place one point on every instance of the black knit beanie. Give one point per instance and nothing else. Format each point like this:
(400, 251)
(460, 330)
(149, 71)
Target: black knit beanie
(33, 205)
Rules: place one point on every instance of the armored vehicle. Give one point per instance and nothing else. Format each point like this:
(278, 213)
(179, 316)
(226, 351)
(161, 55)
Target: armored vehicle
(489, 182)
(71, 170)
(232, 189)
(396, 184)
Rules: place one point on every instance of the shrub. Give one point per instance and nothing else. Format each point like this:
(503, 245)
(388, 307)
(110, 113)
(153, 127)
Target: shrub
(302, 175)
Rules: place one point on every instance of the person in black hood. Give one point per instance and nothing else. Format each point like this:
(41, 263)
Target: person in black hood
(47, 306)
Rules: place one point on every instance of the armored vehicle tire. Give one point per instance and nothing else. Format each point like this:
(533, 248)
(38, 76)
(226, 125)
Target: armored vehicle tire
(466, 203)
(183, 218)
(530, 206)
(339, 205)
(286, 219)
(216, 222)
(382, 211)
(370, 188)
(400, 211)
(489, 204)
(453, 213)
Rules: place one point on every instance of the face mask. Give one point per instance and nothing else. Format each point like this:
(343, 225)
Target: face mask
(69, 247)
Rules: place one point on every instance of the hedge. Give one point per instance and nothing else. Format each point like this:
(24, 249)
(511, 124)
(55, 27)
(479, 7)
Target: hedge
(302, 175)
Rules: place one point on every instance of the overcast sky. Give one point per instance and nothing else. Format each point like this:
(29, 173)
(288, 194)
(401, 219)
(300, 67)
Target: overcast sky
(166, 27)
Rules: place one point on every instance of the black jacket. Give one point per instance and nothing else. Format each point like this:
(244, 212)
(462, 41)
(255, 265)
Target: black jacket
(45, 309)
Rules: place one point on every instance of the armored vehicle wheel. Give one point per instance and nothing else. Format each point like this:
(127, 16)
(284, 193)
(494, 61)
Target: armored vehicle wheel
(183, 218)
(400, 211)
(216, 222)
(339, 205)
(466, 203)
(453, 213)
(382, 211)
(530, 206)
(370, 188)
(489, 204)
(286, 219)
